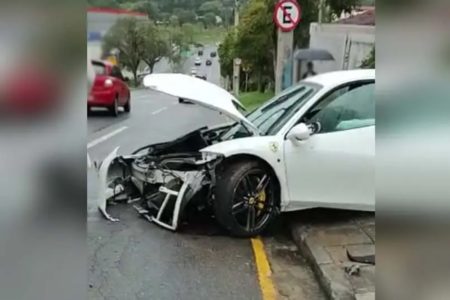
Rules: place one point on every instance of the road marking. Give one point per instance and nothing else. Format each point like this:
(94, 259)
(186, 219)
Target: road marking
(263, 268)
(142, 96)
(159, 110)
(105, 137)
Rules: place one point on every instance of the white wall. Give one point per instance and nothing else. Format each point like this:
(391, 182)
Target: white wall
(332, 37)
(94, 50)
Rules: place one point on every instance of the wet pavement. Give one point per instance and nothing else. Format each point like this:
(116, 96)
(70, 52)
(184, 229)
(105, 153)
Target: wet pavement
(134, 259)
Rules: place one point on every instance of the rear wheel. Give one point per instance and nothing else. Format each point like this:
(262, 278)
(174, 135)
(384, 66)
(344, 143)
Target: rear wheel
(245, 198)
(114, 109)
(127, 105)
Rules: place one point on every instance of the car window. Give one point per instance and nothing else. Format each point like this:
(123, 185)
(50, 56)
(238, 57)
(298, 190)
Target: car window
(347, 108)
(115, 72)
(273, 115)
(99, 69)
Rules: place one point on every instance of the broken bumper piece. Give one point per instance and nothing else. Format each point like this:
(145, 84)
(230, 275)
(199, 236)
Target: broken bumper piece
(160, 187)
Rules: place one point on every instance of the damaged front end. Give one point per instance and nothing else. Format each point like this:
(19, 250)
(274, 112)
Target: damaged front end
(160, 180)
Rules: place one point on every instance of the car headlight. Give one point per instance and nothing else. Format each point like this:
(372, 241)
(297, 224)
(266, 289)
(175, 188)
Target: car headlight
(211, 156)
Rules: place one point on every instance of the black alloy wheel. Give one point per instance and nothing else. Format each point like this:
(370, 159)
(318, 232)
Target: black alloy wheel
(245, 202)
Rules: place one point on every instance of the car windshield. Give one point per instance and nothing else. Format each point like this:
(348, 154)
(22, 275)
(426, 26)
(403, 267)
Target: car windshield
(99, 68)
(270, 117)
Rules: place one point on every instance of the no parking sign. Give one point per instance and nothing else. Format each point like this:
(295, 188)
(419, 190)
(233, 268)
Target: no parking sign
(287, 15)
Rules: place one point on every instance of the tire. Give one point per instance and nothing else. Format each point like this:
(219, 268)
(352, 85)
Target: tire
(230, 184)
(184, 101)
(127, 106)
(114, 109)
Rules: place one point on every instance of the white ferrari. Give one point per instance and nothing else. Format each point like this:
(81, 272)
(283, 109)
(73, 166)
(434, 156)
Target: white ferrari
(313, 145)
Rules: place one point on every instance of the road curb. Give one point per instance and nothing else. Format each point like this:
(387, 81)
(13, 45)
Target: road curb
(336, 286)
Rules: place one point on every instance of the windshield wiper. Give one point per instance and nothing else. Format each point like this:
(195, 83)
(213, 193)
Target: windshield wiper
(282, 99)
(234, 129)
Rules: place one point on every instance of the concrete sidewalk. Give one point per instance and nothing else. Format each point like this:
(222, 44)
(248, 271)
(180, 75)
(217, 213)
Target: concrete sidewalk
(324, 237)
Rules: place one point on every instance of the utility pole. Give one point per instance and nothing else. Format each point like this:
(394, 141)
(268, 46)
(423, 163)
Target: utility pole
(320, 12)
(236, 61)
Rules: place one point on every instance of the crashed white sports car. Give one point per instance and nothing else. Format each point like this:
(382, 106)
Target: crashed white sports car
(313, 145)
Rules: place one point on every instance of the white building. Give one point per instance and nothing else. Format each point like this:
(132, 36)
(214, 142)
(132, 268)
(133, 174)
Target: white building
(350, 40)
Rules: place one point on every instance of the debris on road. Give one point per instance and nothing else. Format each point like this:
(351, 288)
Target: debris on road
(164, 182)
(352, 270)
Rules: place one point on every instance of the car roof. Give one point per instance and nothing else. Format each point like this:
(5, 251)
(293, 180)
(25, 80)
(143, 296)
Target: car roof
(340, 77)
(102, 62)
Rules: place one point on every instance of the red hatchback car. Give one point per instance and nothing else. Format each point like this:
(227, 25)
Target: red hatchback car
(109, 89)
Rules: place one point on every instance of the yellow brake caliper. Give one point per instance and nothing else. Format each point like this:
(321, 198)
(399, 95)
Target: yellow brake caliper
(261, 201)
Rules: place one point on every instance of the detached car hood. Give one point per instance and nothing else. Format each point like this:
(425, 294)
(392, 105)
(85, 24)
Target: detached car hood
(200, 92)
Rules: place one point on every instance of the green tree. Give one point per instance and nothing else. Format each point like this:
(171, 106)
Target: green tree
(176, 37)
(254, 40)
(102, 3)
(177, 43)
(227, 15)
(148, 7)
(188, 32)
(164, 16)
(210, 7)
(209, 19)
(184, 16)
(226, 54)
(369, 61)
(256, 34)
(126, 37)
(174, 21)
(156, 44)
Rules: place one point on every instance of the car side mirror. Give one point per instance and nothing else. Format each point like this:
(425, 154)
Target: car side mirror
(299, 132)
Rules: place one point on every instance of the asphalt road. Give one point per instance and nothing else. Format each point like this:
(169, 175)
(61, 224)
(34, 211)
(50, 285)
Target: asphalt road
(134, 259)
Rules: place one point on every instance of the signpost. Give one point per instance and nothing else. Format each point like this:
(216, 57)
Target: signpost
(236, 79)
(236, 61)
(287, 15)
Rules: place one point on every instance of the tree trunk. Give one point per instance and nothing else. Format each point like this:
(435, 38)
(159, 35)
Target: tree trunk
(260, 86)
(136, 83)
(246, 81)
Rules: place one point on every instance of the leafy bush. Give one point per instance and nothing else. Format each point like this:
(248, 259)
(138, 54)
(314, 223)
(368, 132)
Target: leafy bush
(369, 61)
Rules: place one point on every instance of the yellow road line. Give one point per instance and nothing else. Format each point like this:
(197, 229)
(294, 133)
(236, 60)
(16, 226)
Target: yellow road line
(264, 272)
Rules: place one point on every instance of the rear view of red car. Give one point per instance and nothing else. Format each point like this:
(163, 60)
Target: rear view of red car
(109, 89)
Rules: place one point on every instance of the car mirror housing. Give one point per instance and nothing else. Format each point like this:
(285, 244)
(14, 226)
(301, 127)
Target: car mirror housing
(299, 132)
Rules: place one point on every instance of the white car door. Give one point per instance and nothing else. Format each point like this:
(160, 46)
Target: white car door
(335, 166)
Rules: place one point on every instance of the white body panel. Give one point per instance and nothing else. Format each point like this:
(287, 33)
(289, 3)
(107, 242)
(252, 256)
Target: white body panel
(333, 169)
(267, 148)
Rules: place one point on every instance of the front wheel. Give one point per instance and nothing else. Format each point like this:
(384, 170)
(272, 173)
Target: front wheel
(114, 109)
(245, 198)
